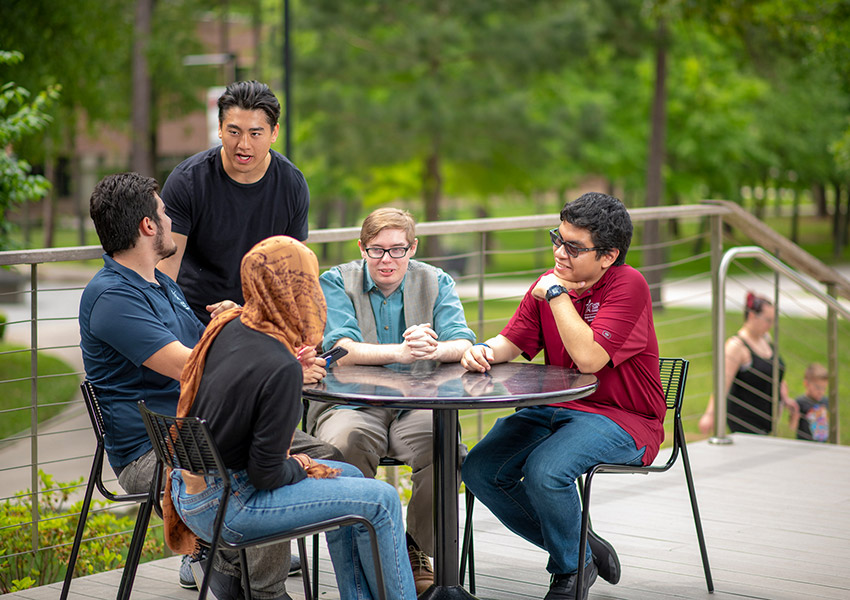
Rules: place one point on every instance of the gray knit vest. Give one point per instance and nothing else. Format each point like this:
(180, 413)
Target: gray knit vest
(419, 295)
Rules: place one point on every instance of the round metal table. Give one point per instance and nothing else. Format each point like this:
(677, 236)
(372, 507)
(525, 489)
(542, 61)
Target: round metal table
(445, 389)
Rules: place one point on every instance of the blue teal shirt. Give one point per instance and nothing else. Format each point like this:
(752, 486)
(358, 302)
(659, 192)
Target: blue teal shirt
(124, 320)
(449, 320)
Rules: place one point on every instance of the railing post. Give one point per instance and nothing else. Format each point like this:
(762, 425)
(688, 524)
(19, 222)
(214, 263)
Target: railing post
(34, 403)
(832, 366)
(718, 338)
(482, 269)
(775, 360)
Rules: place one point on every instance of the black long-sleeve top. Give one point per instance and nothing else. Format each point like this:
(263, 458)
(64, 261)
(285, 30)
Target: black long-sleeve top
(250, 395)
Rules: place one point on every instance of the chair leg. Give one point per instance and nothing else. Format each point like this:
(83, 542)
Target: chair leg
(305, 569)
(243, 569)
(697, 521)
(81, 526)
(376, 557)
(134, 553)
(467, 551)
(585, 524)
(315, 565)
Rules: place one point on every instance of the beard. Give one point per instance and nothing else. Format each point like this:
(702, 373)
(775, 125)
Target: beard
(160, 247)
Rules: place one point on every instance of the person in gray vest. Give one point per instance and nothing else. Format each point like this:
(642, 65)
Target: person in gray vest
(388, 308)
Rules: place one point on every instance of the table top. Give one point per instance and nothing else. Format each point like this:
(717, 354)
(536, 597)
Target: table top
(431, 385)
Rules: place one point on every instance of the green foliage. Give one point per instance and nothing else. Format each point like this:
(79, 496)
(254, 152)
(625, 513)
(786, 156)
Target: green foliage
(57, 385)
(19, 117)
(21, 567)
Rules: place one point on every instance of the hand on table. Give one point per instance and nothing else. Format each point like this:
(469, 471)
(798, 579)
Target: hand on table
(478, 358)
(420, 343)
(312, 365)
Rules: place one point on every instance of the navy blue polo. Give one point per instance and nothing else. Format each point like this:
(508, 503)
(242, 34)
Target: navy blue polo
(124, 320)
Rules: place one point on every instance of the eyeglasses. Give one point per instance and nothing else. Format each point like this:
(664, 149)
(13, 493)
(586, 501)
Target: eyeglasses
(570, 248)
(396, 252)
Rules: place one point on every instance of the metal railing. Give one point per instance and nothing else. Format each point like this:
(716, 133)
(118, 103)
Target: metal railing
(477, 282)
(834, 309)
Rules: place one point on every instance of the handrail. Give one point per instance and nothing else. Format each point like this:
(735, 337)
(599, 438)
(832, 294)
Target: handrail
(719, 334)
(318, 236)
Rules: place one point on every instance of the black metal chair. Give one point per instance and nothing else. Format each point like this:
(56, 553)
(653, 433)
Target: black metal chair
(387, 461)
(674, 373)
(186, 443)
(95, 480)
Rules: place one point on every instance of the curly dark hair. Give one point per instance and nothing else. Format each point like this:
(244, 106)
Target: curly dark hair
(607, 220)
(250, 95)
(118, 204)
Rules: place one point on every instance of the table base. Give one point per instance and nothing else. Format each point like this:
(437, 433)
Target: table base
(446, 592)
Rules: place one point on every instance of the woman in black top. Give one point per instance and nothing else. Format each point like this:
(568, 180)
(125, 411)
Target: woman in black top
(244, 380)
(749, 375)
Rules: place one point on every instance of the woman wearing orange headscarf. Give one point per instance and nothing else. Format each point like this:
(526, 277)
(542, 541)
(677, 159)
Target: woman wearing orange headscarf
(244, 380)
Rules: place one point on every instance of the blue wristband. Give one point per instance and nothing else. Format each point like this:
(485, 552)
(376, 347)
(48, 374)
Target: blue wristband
(482, 344)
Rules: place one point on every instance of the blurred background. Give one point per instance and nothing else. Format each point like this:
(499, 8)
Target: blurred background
(452, 109)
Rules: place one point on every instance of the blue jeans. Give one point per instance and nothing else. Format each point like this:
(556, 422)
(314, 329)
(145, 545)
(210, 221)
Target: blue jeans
(253, 513)
(525, 468)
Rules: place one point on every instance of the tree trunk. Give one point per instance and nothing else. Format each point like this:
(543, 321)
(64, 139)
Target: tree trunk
(819, 196)
(838, 242)
(795, 216)
(49, 202)
(432, 189)
(141, 153)
(655, 175)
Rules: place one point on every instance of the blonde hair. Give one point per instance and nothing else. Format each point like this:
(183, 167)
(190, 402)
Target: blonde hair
(387, 218)
(816, 371)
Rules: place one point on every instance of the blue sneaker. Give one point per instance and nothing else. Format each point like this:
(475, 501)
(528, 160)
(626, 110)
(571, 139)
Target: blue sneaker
(187, 579)
(294, 565)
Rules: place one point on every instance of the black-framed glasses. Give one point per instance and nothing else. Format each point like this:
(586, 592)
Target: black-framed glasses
(570, 248)
(395, 252)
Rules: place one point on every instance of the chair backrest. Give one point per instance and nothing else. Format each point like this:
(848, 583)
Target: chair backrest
(674, 372)
(96, 418)
(182, 442)
(93, 408)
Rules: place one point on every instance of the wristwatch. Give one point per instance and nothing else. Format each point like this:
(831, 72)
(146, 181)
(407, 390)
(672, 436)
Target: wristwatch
(555, 291)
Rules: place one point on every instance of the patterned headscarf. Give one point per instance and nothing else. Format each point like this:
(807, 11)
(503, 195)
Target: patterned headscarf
(283, 299)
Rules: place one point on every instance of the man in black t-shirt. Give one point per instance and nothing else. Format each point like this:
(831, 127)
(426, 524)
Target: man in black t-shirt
(224, 200)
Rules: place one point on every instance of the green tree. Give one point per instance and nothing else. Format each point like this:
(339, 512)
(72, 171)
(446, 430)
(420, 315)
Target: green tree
(20, 116)
(387, 84)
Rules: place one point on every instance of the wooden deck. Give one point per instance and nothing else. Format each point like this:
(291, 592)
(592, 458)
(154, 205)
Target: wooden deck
(776, 515)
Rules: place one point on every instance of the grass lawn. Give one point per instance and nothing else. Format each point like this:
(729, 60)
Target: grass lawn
(57, 385)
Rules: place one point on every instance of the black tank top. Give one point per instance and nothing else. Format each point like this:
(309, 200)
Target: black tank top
(750, 402)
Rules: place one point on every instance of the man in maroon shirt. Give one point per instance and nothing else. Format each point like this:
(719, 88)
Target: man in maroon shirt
(591, 312)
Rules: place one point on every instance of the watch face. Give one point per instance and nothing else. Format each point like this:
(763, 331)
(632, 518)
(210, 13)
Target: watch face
(554, 291)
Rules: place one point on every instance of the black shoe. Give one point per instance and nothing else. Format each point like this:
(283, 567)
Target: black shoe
(222, 587)
(563, 586)
(604, 557)
(294, 565)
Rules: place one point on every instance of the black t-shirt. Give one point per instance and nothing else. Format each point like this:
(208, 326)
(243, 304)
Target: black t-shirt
(252, 406)
(223, 219)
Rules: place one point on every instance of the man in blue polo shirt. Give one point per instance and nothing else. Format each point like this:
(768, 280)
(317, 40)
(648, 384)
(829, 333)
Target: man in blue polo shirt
(136, 332)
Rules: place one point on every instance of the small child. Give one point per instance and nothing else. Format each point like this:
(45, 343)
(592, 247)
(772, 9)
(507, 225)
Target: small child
(814, 416)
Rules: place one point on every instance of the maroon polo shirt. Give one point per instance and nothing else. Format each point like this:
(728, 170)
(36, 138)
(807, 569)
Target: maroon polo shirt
(618, 309)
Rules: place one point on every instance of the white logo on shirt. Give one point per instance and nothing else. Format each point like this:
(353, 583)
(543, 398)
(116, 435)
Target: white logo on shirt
(590, 311)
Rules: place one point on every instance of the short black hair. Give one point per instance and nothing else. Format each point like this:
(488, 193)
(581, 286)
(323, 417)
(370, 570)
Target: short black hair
(249, 95)
(118, 204)
(607, 220)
